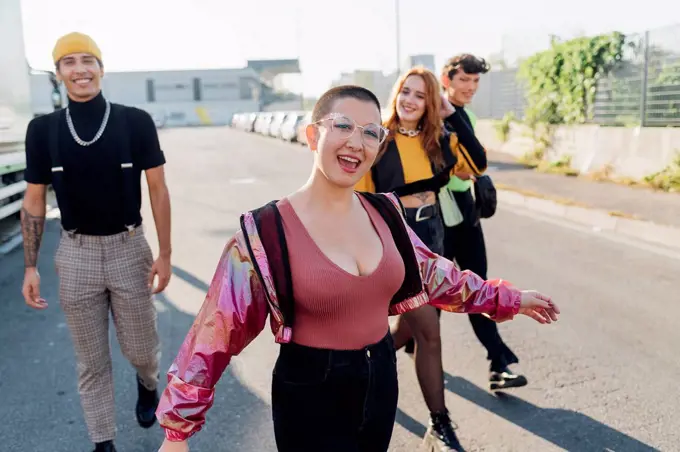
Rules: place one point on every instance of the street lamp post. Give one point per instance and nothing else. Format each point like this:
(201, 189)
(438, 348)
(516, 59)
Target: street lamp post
(396, 20)
(298, 44)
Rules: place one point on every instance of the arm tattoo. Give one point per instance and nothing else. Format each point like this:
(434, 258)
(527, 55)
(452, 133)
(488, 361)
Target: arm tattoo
(32, 227)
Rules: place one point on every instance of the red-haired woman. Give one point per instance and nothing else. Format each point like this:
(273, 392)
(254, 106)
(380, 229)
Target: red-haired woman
(415, 162)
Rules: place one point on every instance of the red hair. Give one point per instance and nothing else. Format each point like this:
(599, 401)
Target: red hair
(430, 124)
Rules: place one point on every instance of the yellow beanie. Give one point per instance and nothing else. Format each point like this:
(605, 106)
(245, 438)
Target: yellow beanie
(75, 43)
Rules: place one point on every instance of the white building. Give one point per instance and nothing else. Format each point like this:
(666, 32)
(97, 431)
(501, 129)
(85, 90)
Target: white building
(376, 81)
(380, 83)
(173, 98)
(184, 97)
(425, 60)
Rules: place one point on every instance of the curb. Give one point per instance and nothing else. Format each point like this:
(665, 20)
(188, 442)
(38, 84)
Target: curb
(647, 231)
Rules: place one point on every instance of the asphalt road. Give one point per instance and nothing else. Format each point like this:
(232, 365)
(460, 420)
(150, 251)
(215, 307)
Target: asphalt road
(603, 378)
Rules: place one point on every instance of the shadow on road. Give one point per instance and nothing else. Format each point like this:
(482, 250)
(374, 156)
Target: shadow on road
(41, 407)
(239, 419)
(190, 278)
(410, 424)
(567, 429)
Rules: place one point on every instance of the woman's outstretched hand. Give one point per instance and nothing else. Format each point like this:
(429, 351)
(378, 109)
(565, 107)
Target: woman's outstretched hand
(172, 446)
(538, 306)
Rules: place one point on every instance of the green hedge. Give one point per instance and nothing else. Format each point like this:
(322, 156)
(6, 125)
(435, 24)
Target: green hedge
(561, 81)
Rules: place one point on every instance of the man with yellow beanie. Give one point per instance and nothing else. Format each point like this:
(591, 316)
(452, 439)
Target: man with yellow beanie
(93, 153)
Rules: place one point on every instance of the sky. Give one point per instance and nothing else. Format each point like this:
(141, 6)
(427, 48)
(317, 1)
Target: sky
(327, 37)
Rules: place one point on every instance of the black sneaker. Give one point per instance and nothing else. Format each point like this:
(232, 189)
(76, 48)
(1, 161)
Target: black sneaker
(147, 402)
(106, 446)
(505, 379)
(440, 436)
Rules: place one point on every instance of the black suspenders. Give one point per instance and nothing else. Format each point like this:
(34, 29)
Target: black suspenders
(121, 134)
(130, 209)
(58, 175)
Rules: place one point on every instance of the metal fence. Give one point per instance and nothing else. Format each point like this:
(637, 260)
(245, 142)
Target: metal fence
(499, 92)
(644, 89)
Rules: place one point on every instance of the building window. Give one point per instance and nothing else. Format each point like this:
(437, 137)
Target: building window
(247, 87)
(197, 89)
(150, 91)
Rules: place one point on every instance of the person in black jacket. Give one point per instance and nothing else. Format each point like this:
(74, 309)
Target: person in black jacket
(464, 242)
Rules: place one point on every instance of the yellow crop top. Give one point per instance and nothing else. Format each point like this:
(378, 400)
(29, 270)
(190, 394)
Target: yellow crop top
(416, 164)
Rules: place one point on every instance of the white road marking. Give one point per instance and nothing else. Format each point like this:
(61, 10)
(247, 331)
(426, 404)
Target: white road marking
(242, 181)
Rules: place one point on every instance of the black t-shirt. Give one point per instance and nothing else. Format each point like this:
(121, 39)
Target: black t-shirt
(94, 178)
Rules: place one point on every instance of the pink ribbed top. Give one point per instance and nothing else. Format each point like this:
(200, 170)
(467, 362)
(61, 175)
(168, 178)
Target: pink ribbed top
(335, 309)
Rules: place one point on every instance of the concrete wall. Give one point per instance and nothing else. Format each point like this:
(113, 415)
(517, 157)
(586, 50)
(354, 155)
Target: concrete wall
(630, 151)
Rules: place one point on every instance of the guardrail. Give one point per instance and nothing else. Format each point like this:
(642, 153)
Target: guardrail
(12, 188)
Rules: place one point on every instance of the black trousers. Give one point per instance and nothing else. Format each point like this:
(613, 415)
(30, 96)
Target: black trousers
(429, 230)
(335, 400)
(465, 244)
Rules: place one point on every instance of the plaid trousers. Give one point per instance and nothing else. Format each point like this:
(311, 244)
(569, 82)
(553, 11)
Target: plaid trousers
(98, 274)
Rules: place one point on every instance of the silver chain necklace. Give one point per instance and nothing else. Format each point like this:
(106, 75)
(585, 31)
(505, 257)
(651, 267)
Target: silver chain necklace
(75, 136)
(409, 132)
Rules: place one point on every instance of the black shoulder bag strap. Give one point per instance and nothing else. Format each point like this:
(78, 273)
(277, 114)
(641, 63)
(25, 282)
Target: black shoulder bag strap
(450, 158)
(412, 284)
(270, 228)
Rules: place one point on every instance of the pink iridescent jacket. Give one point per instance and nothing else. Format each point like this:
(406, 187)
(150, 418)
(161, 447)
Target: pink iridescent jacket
(242, 295)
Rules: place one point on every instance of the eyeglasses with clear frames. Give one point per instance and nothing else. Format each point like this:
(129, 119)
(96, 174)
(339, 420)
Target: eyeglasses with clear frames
(372, 135)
